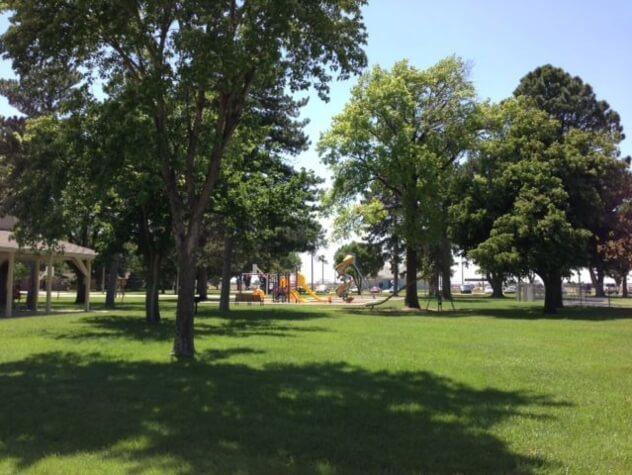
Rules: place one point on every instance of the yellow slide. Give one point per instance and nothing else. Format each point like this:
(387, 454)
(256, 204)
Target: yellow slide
(347, 262)
(302, 283)
(296, 296)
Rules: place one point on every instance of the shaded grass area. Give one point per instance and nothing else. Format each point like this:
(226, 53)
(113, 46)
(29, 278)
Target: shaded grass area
(490, 388)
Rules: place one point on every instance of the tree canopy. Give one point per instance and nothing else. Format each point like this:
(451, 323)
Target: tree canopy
(393, 143)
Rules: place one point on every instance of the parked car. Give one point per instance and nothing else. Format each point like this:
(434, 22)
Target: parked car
(510, 289)
(611, 289)
(467, 288)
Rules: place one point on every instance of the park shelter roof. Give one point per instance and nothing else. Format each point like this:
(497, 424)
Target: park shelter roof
(63, 248)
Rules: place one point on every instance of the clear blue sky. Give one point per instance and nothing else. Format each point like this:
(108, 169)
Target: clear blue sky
(503, 40)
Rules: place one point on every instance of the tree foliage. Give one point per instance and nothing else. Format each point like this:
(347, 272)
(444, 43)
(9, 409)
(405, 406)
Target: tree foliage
(394, 142)
(192, 68)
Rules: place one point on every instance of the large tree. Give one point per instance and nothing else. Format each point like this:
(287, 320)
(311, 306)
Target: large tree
(394, 141)
(191, 67)
(524, 188)
(535, 234)
(617, 248)
(574, 105)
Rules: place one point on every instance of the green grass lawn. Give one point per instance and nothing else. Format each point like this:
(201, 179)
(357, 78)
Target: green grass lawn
(491, 388)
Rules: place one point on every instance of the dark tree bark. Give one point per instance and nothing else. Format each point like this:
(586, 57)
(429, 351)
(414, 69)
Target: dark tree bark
(445, 265)
(395, 266)
(111, 278)
(624, 285)
(496, 280)
(549, 297)
(224, 300)
(433, 285)
(552, 291)
(412, 299)
(31, 296)
(152, 291)
(446, 282)
(81, 288)
(597, 277)
(202, 283)
(557, 286)
(183, 345)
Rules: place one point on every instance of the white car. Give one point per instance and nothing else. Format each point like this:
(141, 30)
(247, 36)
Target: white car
(467, 288)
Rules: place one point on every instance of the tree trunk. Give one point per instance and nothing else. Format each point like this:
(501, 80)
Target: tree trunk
(446, 282)
(224, 299)
(559, 296)
(395, 267)
(550, 296)
(445, 265)
(183, 345)
(111, 278)
(433, 285)
(624, 285)
(496, 281)
(412, 299)
(81, 288)
(152, 290)
(33, 286)
(597, 277)
(202, 283)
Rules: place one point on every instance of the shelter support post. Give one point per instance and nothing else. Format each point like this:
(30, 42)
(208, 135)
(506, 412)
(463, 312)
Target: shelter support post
(36, 283)
(49, 285)
(88, 283)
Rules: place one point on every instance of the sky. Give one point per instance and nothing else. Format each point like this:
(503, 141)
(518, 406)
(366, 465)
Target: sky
(501, 40)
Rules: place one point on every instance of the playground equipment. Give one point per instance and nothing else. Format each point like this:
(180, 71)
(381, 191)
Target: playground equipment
(302, 284)
(348, 271)
(292, 287)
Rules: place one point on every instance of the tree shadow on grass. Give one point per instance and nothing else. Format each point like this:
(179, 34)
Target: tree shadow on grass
(212, 416)
(240, 324)
(595, 314)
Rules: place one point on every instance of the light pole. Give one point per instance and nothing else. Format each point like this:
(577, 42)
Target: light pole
(312, 269)
(323, 261)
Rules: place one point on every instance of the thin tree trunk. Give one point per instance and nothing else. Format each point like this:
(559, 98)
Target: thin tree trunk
(395, 266)
(412, 299)
(152, 291)
(111, 278)
(446, 266)
(496, 281)
(597, 277)
(624, 285)
(183, 345)
(433, 285)
(33, 287)
(81, 288)
(202, 283)
(599, 289)
(224, 300)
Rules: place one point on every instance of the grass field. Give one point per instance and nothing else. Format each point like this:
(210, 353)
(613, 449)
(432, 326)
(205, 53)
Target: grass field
(491, 388)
